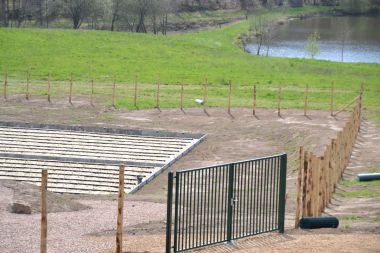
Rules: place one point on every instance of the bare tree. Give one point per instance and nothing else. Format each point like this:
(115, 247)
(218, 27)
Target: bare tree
(116, 9)
(77, 11)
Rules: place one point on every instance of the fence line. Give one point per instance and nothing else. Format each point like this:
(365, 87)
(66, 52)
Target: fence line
(318, 176)
(271, 96)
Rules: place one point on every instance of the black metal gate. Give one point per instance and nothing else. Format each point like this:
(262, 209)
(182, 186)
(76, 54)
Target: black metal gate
(226, 202)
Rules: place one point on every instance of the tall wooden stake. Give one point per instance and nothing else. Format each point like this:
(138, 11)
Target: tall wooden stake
(49, 88)
(113, 92)
(5, 84)
(205, 96)
(182, 91)
(229, 97)
(43, 245)
(279, 101)
(299, 188)
(27, 94)
(71, 88)
(135, 97)
(119, 231)
(92, 93)
(306, 100)
(332, 99)
(254, 101)
(158, 93)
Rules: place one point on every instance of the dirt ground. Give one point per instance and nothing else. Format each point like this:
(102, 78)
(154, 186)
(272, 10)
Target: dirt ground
(229, 138)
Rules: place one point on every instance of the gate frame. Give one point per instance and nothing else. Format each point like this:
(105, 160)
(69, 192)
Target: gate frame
(231, 167)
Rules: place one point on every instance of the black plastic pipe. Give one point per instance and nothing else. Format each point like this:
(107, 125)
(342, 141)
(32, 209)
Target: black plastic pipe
(369, 176)
(319, 222)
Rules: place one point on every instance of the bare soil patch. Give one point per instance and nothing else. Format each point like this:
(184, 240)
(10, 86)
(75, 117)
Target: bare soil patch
(229, 138)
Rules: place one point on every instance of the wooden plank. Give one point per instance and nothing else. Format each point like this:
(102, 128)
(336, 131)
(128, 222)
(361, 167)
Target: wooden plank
(43, 243)
(5, 85)
(71, 89)
(119, 231)
(27, 93)
(229, 97)
(279, 101)
(49, 89)
(299, 187)
(254, 101)
(306, 100)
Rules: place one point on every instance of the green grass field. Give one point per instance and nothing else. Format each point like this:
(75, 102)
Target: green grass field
(187, 58)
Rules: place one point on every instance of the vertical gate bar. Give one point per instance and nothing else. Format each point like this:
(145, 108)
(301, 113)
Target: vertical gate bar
(225, 202)
(261, 196)
(230, 200)
(189, 209)
(169, 212)
(266, 193)
(208, 207)
(277, 187)
(255, 195)
(201, 211)
(198, 207)
(246, 194)
(282, 193)
(240, 199)
(194, 204)
(219, 238)
(270, 190)
(252, 185)
(212, 205)
(215, 203)
(248, 204)
(176, 214)
(204, 209)
(184, 175)
(273, 192)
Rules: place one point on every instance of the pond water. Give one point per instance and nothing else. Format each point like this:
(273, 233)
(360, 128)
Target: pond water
(358, 36)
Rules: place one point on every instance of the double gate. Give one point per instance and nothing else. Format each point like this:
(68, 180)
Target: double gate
(226, 202)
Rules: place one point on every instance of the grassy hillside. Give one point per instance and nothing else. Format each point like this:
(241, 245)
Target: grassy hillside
(187, 58)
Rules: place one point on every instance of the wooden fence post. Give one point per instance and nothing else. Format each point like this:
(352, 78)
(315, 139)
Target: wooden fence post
(135, 96)
(306, 100)
(254, 101)
(27, 95)
(332, 99)
(71, 88)
(119, 231)
(158, 93)
(49, 89)
(229, 97)
(182, 90)
(205, 95)
(92, 93)
(5, 84)
(279, 101)
(299, 188)
(305, 186)
(113, 92)
(43, 243)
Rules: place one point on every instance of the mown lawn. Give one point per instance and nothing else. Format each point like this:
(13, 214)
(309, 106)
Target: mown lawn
(187, 58)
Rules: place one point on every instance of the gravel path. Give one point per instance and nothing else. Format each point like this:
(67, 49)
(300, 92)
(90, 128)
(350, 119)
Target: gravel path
(68, 231)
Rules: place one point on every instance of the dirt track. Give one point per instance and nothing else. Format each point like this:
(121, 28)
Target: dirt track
(230, 138)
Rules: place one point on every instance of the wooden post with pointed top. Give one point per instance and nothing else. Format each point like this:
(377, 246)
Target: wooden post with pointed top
(182, 91)
(279, 101)
(5, 84)
(119, 231)
(254, 101)
(49, 89)
(113, 92)
(43, 243)
(158, 93)
(306, 100)
(135, 96)
(71, 88)
(332, 99)
(92, 93)
(205, 95)
(229, 97)
(299, 187)
(27, 94)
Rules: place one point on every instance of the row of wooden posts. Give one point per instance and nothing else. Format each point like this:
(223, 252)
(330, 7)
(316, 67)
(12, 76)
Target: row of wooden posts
(205, 95)
(120, 208)
(318, 176)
